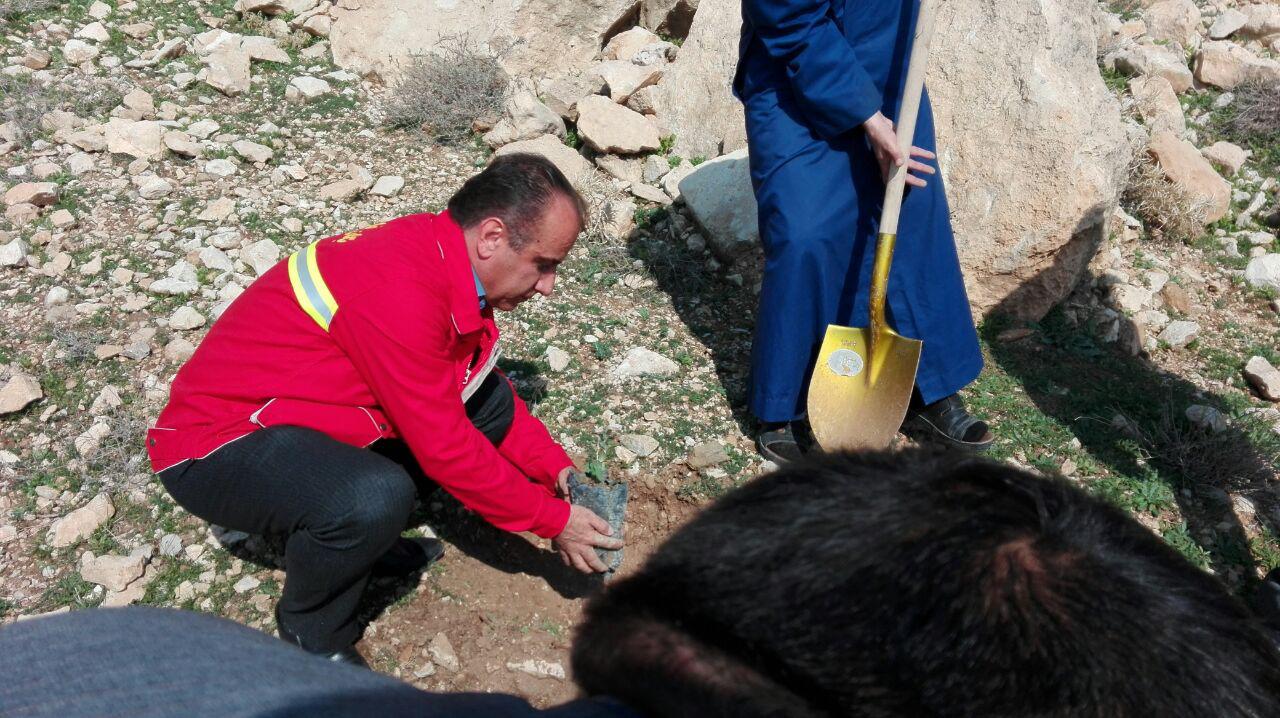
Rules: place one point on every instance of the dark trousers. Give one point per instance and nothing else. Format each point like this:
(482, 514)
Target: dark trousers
(338, 506)
(160, 663)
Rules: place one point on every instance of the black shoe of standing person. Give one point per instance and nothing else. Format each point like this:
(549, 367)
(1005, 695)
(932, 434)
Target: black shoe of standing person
(783, 442)
(407, 556)
(948, 421)
(349, 655)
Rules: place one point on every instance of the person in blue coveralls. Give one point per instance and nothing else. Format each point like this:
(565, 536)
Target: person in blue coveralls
(821, 81)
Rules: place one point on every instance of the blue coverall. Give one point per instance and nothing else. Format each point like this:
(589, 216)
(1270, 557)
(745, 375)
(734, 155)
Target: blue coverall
(810, 72)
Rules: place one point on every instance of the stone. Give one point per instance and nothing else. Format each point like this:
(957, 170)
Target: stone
(153, 187)
(1176, 298)
(81, 523)
(718, 194)
(1226, 156)
(179, 350)
(202, 129)
(1151, 59)
(524, 118)
(170, 545)
(626, 44)
(36, 59)
(622, 78)
(380, 38)
(185, 318)
(40, 194)
(1225, 65)
(1128, 298)
(99, 10)
(252, 151)
(18, 392)
(342, 191)
(140, 101)
(82, 162)
(78, 52)
(215, 259)
(695, 96)
(569, 162)
(227, 70)
(143, 139)
(1264, 272)
(1206, 418)
(136, 591)
(318, 25)
(306, 88)
(264, 48)
(442, 653)
(706, 455)
(608, 127)
(107, 400)
(60, 219)
(641, 445)
(538, 669)
(261, 255)
(90, 139)
(387, 186)
(246, 584)
(114, 573)
(13, 253)
(671, 18)
(1263, 21)
(1158, 104)
(173, 287)
(1178, 334)
(95, 31)
(1183, 165)
(557, 359)
(642, 362)
(649, 194)
(1227, 23)
(671, 181)
(87, 444)
(1264, 377)
(1174, 21)
(217, 210)
(220, 167)
(655, 168)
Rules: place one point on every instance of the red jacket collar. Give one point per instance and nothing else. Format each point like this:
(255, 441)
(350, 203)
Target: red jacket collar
(463, 304)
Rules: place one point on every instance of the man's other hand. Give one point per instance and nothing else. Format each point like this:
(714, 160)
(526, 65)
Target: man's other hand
(562, 482)
(884, 141)
(584, 532)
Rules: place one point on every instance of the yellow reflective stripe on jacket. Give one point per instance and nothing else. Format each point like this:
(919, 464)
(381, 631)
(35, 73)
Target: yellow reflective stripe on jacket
(309, 288)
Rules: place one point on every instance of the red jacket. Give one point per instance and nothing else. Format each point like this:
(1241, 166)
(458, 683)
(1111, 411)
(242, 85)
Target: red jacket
(364, 336)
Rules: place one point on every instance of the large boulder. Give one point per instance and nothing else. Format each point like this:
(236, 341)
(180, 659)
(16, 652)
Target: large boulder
(695, 96)
(379, 37)
(572, 164)
(1031, 144)
(1185, 167)
(609, 127)
(718, 195)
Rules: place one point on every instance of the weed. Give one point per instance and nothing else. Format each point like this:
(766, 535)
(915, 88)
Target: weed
(28, 102)
(572, 139)
(1179, 537)
(665, 144)
(1164, 207)
(1256, 116)
(444, 93)
(12, 11)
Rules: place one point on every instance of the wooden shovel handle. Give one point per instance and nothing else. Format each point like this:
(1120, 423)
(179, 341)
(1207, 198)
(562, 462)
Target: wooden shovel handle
(906, 125)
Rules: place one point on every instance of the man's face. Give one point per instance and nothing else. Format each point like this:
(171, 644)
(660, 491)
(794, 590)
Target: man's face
(510, 276)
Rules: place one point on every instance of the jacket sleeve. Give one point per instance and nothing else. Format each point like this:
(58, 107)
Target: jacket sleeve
(530, 447)
(405, 358)
(832, 88)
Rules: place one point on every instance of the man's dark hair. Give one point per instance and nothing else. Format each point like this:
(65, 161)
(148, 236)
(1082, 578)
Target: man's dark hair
(517, 188)
(920, 584)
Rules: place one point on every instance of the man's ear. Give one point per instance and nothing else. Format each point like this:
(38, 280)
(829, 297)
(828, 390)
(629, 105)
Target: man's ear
(491, 234)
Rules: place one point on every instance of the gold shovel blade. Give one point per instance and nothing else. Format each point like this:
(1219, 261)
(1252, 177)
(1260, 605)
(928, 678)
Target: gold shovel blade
(860, 389)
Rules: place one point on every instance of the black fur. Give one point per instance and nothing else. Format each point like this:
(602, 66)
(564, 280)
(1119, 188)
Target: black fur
(920, 584)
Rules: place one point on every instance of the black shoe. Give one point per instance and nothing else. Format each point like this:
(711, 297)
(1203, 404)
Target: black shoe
(349, 655)
(782, 443)
(948, 421)
(408, 555)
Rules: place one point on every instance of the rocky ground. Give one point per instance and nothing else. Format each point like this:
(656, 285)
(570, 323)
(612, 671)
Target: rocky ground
(159, 156)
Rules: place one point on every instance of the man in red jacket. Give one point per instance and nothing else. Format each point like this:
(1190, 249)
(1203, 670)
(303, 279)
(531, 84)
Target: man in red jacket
(349, 373)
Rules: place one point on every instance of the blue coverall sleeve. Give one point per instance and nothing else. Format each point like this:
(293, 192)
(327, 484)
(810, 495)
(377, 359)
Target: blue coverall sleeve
(832, 88)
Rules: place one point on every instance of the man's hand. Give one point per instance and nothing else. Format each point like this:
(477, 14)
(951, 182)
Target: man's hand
(581, 535)
(884, 141)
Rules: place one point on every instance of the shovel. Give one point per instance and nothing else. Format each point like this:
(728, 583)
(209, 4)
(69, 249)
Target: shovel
(863, 377)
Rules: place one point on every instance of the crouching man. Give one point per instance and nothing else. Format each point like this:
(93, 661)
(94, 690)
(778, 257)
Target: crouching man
(356, 369)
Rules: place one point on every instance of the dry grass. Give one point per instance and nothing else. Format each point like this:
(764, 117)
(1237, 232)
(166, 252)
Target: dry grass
(445, 92)
(1205, 458)
(121, 453)
(1257, 112)
(25, 102)
(1167, 210)
(13, 9)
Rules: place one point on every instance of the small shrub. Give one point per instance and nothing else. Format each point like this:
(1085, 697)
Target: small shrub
(600, 196)
(1165, 208)
(26, 102)
(1257, 112)
(16, 9)
(444, 92)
